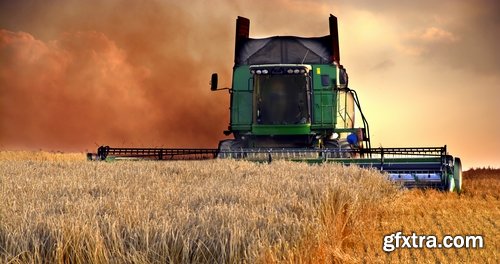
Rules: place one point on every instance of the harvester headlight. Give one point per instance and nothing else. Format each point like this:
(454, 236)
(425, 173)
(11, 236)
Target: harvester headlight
(289, 71)
(258, 71)
(334, 136)
(296, 71)
(252, 71)
(265, 71)
(302, 71)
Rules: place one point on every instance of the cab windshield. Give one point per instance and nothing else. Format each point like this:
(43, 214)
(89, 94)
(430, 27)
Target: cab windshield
(281, 99)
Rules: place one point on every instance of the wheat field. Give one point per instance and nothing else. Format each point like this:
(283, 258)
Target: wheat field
(476, 211)
(60, 208)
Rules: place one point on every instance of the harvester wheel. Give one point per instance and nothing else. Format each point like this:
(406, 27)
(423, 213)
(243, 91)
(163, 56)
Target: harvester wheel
(331, 145)
(231, 148)
(451, 183)
(345, 148)
(457, 175)
(340, 148)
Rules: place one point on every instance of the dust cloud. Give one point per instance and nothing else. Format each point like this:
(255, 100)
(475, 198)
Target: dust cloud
(115, 73)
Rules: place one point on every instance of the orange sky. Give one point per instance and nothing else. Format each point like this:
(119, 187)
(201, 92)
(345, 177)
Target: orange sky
(77, 74)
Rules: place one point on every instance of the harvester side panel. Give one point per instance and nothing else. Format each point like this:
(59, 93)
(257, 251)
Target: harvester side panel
(324, 96)
(242, 99)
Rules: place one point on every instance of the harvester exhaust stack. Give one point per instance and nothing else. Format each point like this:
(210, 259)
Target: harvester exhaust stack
(334, 34)
(242, 33)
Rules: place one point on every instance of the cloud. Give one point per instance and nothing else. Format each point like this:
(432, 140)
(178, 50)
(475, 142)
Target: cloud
(68, 90)
(423, 42)
(461, 35)
(433, 34)
(75, 74)
(385, 64)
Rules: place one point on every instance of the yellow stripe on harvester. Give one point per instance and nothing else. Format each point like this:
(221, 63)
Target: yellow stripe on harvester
(318, 70)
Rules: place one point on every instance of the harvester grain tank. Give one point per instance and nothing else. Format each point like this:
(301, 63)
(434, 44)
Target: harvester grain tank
(290, 99)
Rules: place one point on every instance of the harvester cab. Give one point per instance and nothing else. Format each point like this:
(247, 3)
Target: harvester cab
(291, 94)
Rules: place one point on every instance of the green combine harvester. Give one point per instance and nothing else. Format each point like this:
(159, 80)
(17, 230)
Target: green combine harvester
(290, 99)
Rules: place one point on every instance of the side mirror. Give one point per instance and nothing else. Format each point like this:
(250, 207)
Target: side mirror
(214, 82)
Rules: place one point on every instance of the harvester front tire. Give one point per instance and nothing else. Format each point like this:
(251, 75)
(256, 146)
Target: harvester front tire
(231, 148)
(340, 148)
(344, 148)
(332, 145)
(451, 184)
